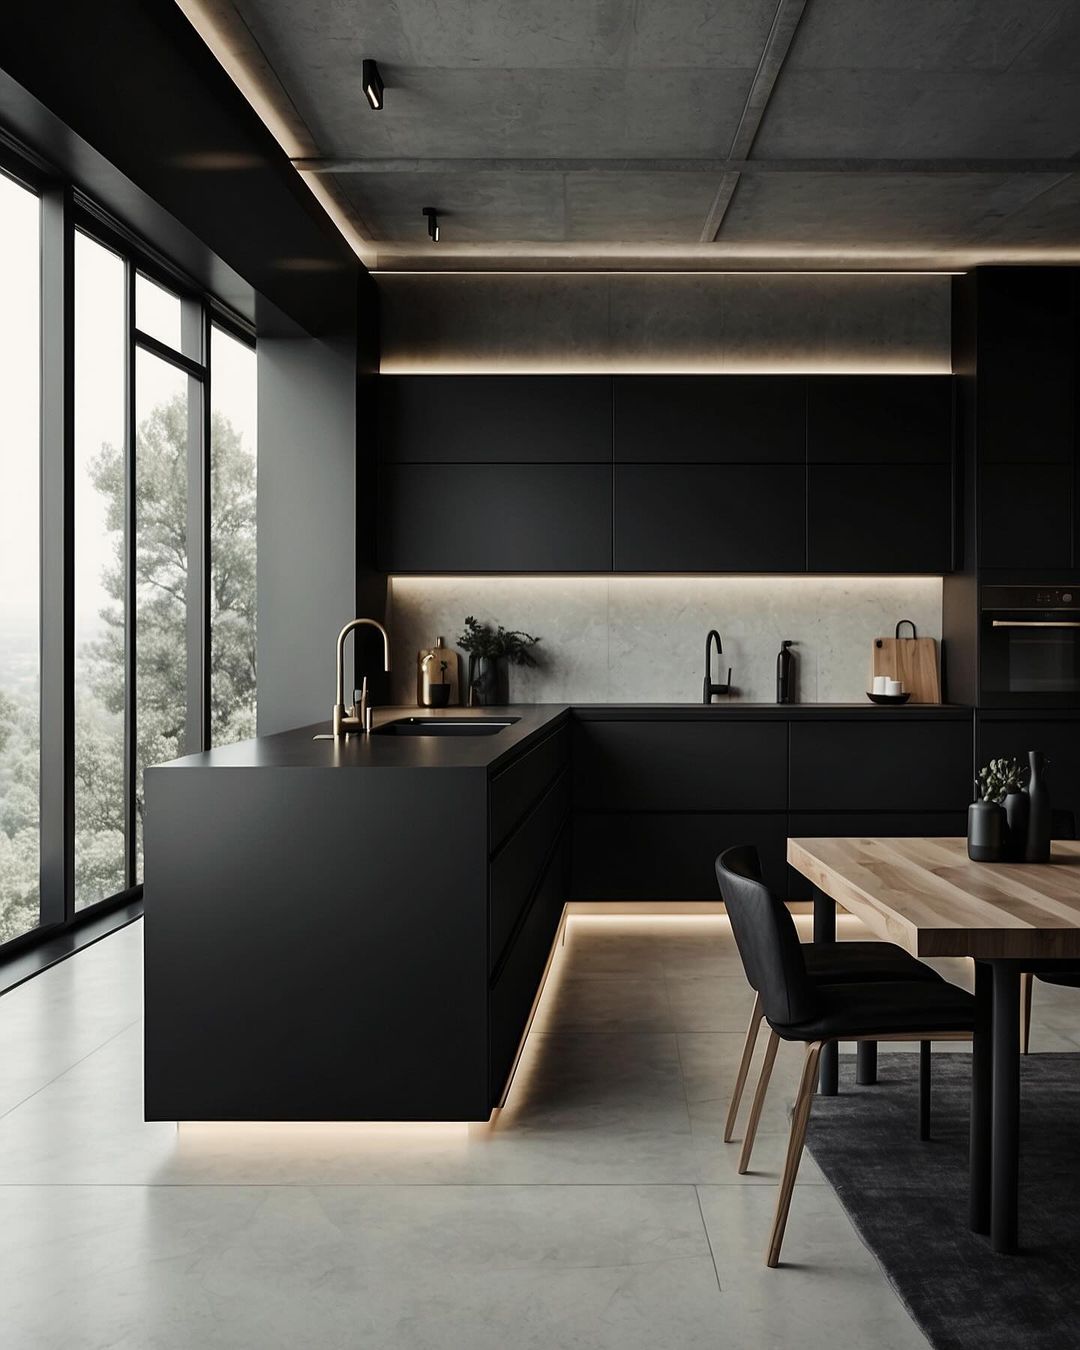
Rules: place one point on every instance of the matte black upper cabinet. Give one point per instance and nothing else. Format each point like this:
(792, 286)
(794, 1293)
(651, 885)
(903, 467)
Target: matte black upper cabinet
(878, 518)
(710, 518)
(495, 419)
(879, 419)
(711, 419)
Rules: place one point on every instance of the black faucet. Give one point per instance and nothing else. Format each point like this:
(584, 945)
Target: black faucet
(708, 688)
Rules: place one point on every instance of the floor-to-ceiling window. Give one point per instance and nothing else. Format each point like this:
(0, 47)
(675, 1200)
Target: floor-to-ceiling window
(150, 487)
(20, 474)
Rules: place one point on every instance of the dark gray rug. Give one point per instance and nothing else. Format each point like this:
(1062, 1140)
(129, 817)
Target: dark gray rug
(909, 1201)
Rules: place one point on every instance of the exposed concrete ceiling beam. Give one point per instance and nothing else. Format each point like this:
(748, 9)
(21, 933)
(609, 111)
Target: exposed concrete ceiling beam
(777, 45)
(493, 164)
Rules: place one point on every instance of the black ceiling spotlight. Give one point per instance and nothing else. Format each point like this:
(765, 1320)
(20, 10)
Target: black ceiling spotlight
(373, 85)
(432, 223)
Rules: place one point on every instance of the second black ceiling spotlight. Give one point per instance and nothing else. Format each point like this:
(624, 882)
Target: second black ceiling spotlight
(373, 85)
(432, 223)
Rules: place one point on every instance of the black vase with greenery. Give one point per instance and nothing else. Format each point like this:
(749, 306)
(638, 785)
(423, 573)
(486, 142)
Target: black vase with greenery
(492, 650)
(990, 838)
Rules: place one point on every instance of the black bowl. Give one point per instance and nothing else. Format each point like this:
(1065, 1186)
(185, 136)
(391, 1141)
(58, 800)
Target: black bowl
(896, 699)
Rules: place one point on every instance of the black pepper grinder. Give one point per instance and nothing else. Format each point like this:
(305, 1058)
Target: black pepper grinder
(785, 673)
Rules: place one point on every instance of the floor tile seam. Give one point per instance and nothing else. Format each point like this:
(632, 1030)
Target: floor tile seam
(73, 1065)
(763, 1183)
(708, 1240)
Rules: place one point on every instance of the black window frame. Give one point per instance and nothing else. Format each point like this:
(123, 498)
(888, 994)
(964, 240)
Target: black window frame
(64, 211)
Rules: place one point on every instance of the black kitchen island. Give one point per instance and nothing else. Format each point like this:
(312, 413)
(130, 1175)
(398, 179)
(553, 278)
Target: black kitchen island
(357, 930)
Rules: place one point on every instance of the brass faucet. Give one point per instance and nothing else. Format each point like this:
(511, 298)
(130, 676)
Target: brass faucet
(354, 717)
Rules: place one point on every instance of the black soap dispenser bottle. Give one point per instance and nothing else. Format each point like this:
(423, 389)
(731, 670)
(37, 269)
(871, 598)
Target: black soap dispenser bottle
(785, 673)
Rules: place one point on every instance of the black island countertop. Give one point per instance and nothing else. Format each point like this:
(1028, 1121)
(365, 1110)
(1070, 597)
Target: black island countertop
(298, 748)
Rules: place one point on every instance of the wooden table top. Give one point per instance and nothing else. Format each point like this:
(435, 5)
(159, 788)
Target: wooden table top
(927, 896)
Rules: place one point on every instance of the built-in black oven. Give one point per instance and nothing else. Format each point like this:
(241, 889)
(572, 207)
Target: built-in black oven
(1029, 646)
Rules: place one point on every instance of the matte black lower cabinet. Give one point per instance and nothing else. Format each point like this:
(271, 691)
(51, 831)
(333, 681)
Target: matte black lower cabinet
(326, 942)
(1056, 734)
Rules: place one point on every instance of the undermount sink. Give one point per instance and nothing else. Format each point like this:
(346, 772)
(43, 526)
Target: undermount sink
(445, 726)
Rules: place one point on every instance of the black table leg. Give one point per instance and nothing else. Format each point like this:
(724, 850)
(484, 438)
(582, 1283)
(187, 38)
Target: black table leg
(866, 1063)
(825, 931)
(1005, 1136)
(979, 1152)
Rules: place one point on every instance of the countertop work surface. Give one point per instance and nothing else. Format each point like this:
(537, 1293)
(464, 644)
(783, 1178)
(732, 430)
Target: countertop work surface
(299, 749)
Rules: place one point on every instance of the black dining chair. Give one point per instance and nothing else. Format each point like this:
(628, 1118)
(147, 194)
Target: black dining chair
(800, 1009)
(1062, 826)
(826, 963)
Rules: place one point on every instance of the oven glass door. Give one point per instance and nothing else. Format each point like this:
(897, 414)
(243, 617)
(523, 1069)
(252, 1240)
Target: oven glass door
(1030, 658)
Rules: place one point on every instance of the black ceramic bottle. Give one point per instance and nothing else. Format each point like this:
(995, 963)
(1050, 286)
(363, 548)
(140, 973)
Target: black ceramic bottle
(1038, 830)
(785, 673)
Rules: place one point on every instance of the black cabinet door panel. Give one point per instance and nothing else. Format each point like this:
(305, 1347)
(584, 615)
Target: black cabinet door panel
(447, 419)
(519, 863)
(680, 766)
(878, 518)
(710, 419)
(879, 419)
(709, 518)
(516, 789)
(667, 857)
(1026, 515)
(495, 518)
(881, 766)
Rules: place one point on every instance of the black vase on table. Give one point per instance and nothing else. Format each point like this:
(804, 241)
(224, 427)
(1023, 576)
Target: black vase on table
(987, 824)
(1017, 814)
(1038, 828)
(489, 682)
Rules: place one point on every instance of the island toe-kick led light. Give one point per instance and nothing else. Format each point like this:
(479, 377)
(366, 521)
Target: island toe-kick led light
(432, 223)
(373, 85)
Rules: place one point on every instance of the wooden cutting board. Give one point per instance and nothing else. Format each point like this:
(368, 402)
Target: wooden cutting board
(911, 660)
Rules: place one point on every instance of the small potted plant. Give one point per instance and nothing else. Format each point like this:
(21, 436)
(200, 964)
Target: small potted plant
(492, 650)
(988, 821)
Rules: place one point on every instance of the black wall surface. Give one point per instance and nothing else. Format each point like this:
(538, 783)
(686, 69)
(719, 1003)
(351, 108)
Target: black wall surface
(127, 99)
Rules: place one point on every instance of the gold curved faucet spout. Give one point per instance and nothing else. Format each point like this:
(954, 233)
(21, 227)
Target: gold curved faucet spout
(349, 718)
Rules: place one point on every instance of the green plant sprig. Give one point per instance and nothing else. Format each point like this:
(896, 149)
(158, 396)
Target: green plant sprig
(998, 778)
(484, 640)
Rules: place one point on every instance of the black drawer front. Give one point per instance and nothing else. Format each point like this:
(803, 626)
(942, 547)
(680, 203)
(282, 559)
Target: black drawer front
(644, 856)
(512, 994)
(515, 789)
(888, 825)
(885, 766)
(680, 766)
(519, 864)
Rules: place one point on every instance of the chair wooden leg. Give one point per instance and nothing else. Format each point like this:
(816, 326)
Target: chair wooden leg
(924, 1090)
(744, 1068)
(800, 1118)
(759, 1100)
(1027, 981)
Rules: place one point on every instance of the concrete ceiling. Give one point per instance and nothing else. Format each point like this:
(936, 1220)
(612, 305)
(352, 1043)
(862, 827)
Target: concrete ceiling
(686, 133)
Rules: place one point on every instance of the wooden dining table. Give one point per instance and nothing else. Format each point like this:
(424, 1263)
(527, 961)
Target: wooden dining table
(927, 896)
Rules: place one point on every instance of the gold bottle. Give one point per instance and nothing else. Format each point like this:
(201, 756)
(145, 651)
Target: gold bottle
(437, 667)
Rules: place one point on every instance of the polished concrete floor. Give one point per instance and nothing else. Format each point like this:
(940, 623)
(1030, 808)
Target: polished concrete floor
(599, 1209)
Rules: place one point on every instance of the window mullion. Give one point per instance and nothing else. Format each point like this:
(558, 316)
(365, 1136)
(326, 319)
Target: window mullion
(57, 787)
(194, 343)
(130, 524)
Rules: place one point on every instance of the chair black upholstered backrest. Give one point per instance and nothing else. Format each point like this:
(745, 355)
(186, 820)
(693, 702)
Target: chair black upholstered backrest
(766, 937)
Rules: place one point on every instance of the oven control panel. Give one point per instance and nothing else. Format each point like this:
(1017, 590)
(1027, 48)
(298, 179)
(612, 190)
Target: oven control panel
(1030, 597)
